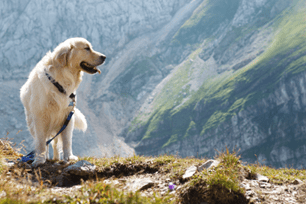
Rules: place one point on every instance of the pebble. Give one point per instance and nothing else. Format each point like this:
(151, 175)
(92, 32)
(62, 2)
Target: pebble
(2, 194)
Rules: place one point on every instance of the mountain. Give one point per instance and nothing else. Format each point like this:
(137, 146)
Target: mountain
(241, 86)
(181, 77)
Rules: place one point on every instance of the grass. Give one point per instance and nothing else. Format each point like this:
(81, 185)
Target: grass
(226, 175)
(7, 152)
(99, 192)
(20, 187)
(278, 176)
(220, 184)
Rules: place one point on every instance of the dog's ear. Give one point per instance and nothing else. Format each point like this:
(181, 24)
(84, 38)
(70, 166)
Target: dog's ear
(62, 54)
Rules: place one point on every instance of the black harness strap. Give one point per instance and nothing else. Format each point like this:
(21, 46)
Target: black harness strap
(56, 84)
(59, 87)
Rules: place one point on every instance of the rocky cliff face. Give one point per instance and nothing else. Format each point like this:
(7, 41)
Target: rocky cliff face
(270, 131)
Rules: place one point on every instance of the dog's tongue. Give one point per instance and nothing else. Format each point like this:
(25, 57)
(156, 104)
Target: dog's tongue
(98, 70)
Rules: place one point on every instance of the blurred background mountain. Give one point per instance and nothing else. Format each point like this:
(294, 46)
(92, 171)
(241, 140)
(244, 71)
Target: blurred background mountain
(181, 77)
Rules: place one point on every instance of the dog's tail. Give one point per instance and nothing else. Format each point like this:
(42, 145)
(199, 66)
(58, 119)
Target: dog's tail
(80, 120)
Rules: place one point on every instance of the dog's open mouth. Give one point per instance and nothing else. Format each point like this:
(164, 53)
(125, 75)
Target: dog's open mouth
(89, 68)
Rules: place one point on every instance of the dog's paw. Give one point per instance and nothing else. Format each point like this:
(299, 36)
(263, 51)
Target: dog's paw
(38, 162)
(72, 158)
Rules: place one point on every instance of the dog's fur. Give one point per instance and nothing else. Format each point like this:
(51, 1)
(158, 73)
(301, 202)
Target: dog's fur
(46, 108)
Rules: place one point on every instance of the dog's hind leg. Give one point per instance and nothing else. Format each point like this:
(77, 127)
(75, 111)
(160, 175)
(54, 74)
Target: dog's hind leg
(30, 124)
(67, 141)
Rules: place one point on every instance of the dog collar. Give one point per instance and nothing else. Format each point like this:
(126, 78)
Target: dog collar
(59, 87)
(56, 84)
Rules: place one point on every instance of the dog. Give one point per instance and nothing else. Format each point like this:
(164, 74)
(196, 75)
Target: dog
(50, 88)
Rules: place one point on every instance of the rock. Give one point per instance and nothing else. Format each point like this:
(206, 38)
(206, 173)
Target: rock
(109, 181)
(208, 164)
(250, 193)
(81, 168)
(264, 185)
(246, 186)
(190, 172)
(140, 184)
(262, 178)
(2, 194)
(297, 181)
(8, 163)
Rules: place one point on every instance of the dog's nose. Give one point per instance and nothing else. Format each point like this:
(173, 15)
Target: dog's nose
(102, 57)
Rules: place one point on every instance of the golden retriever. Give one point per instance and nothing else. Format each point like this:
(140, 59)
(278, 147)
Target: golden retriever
(45, 96)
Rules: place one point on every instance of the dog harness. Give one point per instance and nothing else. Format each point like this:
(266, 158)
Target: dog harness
(31, 155)
(61, 89)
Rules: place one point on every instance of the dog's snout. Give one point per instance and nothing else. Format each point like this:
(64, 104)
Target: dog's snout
(102, 58)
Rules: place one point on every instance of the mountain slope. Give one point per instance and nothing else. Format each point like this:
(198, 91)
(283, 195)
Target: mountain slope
(242, 86)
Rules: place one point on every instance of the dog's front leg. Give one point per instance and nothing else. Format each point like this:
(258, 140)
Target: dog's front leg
(47, 152)
(40, 144)
(67, 141)
(55, 145)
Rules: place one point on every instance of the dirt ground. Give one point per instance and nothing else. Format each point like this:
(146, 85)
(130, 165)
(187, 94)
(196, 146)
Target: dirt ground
(150, 178)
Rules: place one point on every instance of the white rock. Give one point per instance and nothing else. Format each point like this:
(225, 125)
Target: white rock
(262, 178)
(208, 164)
(2, 194)
(140, 184)
(264, 185)
(190, 172)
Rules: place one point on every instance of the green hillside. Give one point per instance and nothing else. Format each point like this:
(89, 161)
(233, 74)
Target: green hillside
(225, 94)
(205, 20)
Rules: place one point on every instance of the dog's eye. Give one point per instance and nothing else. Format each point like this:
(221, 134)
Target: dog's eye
(87, 48)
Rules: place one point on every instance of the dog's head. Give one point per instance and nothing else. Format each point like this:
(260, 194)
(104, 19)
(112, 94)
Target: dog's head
(77, 53)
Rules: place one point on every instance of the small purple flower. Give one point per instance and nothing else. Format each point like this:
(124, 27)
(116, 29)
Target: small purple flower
(171, 186)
